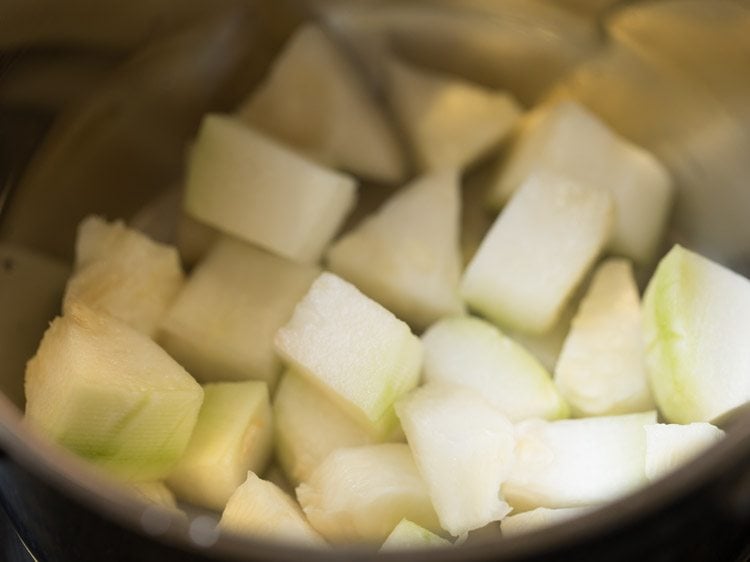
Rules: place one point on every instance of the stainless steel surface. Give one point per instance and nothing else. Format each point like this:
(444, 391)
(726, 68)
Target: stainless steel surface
(672, 75)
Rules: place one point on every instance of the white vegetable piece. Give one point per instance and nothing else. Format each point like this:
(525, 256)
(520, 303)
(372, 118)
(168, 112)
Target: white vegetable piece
(121, 272)
(567, 139)
(537, 252)
(222, 325)
(602, 367)
(473, 353)
(108, 393)
(406, 256)
(574, 463)
(308, 426)
(361, 494)
(464, 450)
(352, 348)
(247, 185)
(697, 325)
(450, 122)
(408, 535)
(669, 446)
(155, 492)
(314, 100)
(538, 518)
(232, 436)
(261, 509)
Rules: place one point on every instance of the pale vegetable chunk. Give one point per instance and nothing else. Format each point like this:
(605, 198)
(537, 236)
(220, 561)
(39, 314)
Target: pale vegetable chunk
(222, 325)
(602, 367)
(537, 252)
(406, 256)
(261, 509)
(464, 450)
(697, 326)
(194, 239)
(352, 348)
(450, 122)
(121, 272)
(314, 100)
(247, 185)
(473, 353)
(308, 426)
(233, 435)
(111, 395)
(538, 518)
(156, 493)
(408, 535)
(669, 446)
(361, 494)
(575, 463)
(568, 140)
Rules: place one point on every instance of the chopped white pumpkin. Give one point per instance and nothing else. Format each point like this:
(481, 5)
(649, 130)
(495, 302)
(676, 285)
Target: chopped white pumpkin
(602, 366)
(450, 122)
(233, 435)
(245, 184)
(314, 100)
(194, 239)
(537, 252)
(155, 492)
(575, 463)
(538, 518)
(222, 325)
(261, 509)
(108, 393)
(361, 494)
(308, 426)
(121, 272)
(473, 353)
(408, 535)
(464, 450)
(352, 348)
(697, 325)
(669, 446)
(406, 256)
(567, 139)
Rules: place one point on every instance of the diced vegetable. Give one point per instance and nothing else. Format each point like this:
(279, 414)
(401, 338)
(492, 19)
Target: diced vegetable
(449, 122)
(408, 535)
(353, 349)
(110, 394)
(697, 325)
(309, 426)
(293, 208)
(156, 493)
(464, 450)
(314, 100)
(473, 353)
(406, 256)
(537, 519)
(537, 252)
(361, 494)
(669, 446)
(222, 325)
(602, 367)
(121, 272)
(194, 239)
(233, 435)
(259, 508)
(568, 140)
(574, 463)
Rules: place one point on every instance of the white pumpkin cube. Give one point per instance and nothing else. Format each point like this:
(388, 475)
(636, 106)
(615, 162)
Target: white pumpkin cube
(352, 348)
(233, 435)
(247, 185)
(222, 325)
(121, 272)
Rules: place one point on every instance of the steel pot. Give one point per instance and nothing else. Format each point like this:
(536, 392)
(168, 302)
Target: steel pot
(102, 98)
